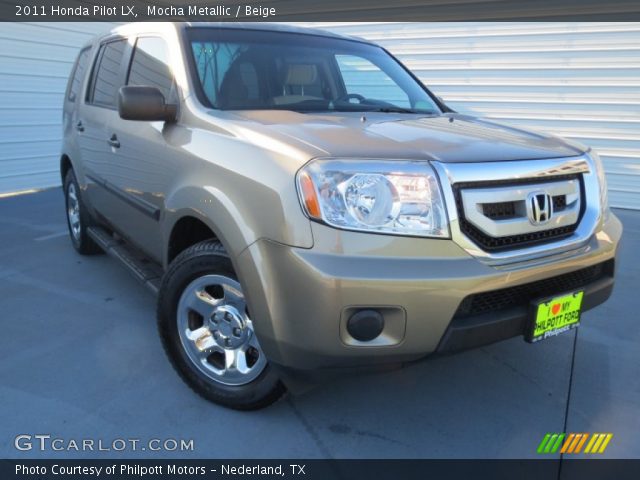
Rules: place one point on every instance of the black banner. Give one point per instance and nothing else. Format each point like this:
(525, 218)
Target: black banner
(585, 469)
(318, 10)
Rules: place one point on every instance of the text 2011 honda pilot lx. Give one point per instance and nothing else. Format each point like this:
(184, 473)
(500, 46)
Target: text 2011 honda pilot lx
(300, 202)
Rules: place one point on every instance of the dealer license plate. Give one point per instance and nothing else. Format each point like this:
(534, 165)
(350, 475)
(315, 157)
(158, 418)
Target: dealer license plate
(555, 316)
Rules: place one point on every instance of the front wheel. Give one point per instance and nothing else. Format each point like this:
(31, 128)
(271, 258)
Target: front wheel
(208, 334)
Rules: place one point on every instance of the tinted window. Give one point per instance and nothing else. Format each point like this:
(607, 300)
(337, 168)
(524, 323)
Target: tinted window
(78, 75)
(150, 65)
(245, 69)
(107, 80)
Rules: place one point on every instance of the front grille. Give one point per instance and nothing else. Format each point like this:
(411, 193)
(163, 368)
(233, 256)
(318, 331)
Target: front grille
(499, 210)
(559, 202)
(522, 295)
(505, 210)
(512, 241)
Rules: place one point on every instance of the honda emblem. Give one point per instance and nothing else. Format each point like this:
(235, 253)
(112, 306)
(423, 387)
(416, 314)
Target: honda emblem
(539, 207)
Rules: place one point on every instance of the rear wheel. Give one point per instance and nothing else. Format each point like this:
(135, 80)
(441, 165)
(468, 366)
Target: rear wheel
(208, 334)
(78, 218)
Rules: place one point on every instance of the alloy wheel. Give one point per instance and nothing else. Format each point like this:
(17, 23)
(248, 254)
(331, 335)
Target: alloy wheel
(216, 331)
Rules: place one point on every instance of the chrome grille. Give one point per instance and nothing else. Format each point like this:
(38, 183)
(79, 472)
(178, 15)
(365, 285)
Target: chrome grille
(454, 175)
(495, 215)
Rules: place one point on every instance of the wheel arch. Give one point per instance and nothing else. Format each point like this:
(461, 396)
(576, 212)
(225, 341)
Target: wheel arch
(194, 209)
(65, 166)
(187, 231)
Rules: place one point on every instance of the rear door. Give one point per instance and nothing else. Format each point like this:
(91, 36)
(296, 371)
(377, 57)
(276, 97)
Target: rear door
(72, 130)
(95, 115)
(144, 162)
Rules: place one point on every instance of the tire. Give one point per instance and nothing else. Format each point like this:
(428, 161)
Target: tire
(207, 334)
(78, 218)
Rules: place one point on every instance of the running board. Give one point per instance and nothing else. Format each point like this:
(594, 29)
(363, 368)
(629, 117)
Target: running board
(146, 271)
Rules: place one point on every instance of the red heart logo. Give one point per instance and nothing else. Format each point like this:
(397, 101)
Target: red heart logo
(555, 309)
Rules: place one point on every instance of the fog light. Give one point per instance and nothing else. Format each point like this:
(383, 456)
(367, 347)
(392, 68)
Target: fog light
(365, 325)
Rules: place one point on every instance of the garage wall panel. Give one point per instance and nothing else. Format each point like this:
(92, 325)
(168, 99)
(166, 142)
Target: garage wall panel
(35, 61)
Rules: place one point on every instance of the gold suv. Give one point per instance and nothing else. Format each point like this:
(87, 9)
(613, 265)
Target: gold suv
(301, 203)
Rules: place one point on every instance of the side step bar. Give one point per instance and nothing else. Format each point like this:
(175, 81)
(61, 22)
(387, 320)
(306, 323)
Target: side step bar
(146, 271)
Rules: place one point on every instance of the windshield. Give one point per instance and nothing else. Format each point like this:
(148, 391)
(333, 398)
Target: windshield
(260, 70)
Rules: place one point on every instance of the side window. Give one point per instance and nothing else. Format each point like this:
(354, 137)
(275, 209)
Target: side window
(107, 76)
(79, 70)
(362, 77)
(150, 65)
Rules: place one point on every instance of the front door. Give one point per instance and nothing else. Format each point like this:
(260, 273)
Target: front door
(143, 160)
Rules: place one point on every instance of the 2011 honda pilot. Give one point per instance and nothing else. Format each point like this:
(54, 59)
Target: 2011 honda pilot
(301, 202)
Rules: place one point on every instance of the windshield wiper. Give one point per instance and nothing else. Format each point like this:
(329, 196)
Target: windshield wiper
(395, 110)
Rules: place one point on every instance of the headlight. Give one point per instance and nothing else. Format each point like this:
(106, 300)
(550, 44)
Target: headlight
(396, 197)
(602, 181)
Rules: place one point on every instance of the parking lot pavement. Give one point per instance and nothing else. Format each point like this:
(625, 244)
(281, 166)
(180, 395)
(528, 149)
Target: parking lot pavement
(81, 359)
(605, 393)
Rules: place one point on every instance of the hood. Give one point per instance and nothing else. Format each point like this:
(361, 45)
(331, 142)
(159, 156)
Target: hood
(445, 138)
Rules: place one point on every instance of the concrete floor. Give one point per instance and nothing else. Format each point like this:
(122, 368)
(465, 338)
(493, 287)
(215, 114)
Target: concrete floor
(81, 359)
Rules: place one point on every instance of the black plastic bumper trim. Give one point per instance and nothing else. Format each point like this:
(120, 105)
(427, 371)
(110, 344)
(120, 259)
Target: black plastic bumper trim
(489, 328)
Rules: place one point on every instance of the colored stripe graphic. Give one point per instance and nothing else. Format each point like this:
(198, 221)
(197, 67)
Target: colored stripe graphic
(567, 442)
(551, 443)
(556, 446)
(598, 443)
(573, 442)
(591, 442)
(582, 440)
(543, 443)
(606, 442)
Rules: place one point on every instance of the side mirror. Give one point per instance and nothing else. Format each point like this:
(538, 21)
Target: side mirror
(146, 104)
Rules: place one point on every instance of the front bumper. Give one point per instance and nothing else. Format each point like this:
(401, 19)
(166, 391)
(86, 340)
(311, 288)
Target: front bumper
(300, 298)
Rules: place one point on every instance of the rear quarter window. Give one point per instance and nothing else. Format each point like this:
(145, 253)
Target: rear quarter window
(78, 74)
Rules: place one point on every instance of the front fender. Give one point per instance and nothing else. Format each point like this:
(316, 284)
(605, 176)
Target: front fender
(243, 193)
(223, 217)
(213, 208)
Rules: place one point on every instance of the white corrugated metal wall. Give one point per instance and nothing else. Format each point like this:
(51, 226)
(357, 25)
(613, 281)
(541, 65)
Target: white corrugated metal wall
(579, 80)
(35, 60)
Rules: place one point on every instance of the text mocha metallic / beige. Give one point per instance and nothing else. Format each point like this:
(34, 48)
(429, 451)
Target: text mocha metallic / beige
(299, 201)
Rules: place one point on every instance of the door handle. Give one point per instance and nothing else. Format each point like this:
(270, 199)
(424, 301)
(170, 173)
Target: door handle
(113, 141)
(80, 126)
